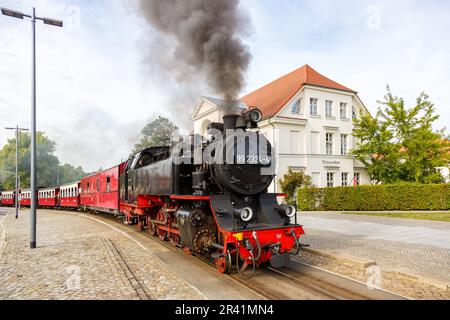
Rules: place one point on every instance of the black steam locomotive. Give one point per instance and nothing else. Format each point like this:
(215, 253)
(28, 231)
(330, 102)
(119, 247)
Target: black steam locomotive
(209, 196)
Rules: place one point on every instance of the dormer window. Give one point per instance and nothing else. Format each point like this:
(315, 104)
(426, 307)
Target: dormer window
(296, 106)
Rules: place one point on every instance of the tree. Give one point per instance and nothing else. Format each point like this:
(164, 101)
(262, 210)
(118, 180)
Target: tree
(47, 163)
(68, 174)
(399, 144)
(157, 133)
(292, 181)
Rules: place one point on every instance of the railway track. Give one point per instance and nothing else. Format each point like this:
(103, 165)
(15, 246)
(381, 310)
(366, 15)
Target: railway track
(297, 281)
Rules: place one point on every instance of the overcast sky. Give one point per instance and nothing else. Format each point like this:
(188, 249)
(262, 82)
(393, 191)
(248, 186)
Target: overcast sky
(96, 91)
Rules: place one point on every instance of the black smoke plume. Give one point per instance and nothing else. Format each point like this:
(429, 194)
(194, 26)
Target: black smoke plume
(207, 39)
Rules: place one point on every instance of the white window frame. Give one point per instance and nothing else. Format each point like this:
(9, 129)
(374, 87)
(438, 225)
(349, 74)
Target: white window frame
(344, 181)
(357, 178)
(344, 144)
(313, 102)
(329, 143)
(328, 108)
(354, 113)
(330, 179)
(343, 110)
(297, 106)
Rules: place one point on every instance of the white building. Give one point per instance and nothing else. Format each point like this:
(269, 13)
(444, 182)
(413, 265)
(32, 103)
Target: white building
(445, 172)
(308, 118)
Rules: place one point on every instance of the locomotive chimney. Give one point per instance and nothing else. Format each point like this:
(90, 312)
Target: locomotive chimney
(229, 121)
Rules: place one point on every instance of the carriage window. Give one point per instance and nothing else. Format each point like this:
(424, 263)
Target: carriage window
(98, 185)
(87, 187)
(108, 183)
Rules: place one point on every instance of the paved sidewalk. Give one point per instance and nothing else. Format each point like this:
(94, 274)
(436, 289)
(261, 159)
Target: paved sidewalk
(77, 258)
(415, 247)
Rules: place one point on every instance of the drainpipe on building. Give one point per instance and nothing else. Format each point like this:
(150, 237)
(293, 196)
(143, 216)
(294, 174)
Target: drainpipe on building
(273, 145)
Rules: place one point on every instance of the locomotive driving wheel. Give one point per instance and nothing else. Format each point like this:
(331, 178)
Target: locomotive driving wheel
(140, 224)
(162, 234)
(175, 239)
(151, 226)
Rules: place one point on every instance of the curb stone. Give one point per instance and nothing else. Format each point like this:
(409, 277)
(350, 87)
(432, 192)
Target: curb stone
(361, 263)
(365, 263)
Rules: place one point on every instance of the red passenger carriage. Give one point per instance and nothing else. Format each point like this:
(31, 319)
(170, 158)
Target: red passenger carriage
(69, 196)
(8, 198)
(100, 191)
(48, 197)
(25, 198)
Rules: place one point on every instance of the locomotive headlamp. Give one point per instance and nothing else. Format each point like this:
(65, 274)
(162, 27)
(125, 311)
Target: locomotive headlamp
(253, 115)
(246, 214)
(288, 210)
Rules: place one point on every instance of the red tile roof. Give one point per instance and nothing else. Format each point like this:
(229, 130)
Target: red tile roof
(274, 96)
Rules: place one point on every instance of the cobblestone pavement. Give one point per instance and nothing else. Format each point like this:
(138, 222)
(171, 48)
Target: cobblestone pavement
(78, 259)
(395, 245)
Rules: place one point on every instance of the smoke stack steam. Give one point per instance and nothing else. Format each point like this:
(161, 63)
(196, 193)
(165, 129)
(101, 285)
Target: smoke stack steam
(207, 39)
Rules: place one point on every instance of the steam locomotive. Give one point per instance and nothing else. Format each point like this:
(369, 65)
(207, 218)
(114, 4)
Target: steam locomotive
(206, 195)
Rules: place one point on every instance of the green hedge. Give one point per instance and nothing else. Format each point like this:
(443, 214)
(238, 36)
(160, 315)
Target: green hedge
(376, 198)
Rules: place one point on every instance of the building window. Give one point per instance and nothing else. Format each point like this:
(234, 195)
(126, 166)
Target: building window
(343, 110)
(329, 143)
(330, 179)
(344, 179)
(357, 179)
(328, 108)
(344, 139)
(296, 106)
(313, 106)
(354, 114)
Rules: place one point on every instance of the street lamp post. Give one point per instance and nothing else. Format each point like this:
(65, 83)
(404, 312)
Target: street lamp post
(56, 23)
(17, 165)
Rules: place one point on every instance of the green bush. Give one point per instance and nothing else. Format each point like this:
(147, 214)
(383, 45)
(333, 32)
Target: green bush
(376, 198)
